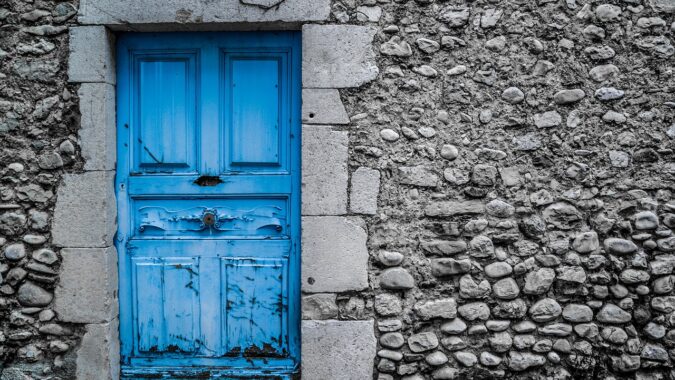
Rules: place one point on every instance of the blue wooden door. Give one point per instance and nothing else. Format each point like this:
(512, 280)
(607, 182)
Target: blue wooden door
(208, 193)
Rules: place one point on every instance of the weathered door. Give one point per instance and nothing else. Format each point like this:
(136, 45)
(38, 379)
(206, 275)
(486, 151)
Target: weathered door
(208, 195)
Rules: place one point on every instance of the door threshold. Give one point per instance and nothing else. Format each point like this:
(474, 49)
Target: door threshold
(187, 373)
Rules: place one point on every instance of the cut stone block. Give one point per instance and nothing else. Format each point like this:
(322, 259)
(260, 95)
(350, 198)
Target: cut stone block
(87, 288)
(337, 56)
(151, 14)
(323, 106)
(364, 191)
(334, 254)
(324, 171)
(98, 355)
(92, 57)
(85, 212)
(97, 126)
(342, 350)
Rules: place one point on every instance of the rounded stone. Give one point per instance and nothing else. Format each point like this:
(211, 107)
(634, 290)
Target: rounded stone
(506, 288)
(15, 252)
(449, 152)
(499, 208)
(456, 326)
(539, 281)
(611, 313)
(396, 278)
(30, 294)
(498, 269)
(34, 239)
(45, 256)
(577, 313)
(634, 276)
(392, 340)
(423, 342)
(50, 160)
(474, 311)
(467, 359)
(568, 96)
(390, 258)
(389, 135)
(436, 358)
(489, 360)
(545, 310)
(646, 220)
(619, 246)
(513, 95)
(586, 242)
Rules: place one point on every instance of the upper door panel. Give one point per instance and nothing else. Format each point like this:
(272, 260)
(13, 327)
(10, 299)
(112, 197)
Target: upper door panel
(165, 99)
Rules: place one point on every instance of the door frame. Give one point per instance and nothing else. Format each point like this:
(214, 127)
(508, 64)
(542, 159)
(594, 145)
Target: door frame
(84, 223)
(264, 42)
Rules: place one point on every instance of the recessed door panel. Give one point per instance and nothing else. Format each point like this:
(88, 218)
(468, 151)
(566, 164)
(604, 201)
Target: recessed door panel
(255, 102)
(165, 112)
(167, 310)
(256, 302)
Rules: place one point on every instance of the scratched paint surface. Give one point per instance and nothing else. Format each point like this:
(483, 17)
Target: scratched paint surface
(208, 181)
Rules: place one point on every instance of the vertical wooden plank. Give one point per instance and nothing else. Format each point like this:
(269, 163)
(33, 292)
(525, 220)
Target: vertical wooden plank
(181, 288)
(255, 104)
(210, 307)
(210, 143)
(255, 304)
(148, 288)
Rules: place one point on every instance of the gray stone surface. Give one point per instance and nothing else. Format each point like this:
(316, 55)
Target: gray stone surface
(337, 56)
(160, 13)
(334, 254)
(338, 349)
(323, 106)
(324, 171)
(87, 291)
(98, 354)
(92, 55)
(97, 132)
(85, 211)
(365, 188)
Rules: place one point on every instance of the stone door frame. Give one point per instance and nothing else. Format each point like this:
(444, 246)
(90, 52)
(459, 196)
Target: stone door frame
(334, 253)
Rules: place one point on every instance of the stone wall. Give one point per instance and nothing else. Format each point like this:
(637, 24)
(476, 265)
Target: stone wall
(525, 218)
(510, 168)
(39, 123)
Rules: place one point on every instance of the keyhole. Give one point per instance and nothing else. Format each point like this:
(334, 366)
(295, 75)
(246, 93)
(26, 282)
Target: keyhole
(209, 219)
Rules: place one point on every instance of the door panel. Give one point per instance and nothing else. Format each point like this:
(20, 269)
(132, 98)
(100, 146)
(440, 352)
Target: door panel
(166, 304)
(257, 218)
(256, 302)
(208, 195)
(255, 95)
(166, 112)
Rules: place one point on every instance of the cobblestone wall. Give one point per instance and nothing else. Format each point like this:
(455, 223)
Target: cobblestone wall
(38, 141)
(526, 210)
(524, 221)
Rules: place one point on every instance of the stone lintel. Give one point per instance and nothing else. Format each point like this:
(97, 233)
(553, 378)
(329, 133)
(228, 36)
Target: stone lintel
(185, 13)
